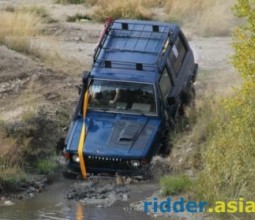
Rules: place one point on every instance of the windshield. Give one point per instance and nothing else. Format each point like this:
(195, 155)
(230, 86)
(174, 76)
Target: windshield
(125, 97)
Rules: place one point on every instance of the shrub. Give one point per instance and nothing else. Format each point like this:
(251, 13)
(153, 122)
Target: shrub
(175, 184)
(46, 166)
(27, 141)
(229, 158)
(11, 176)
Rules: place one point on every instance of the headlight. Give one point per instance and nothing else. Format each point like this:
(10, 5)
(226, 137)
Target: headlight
(76, 158)
(135, 163)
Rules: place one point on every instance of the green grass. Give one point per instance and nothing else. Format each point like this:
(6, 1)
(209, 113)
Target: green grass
(46, 166)
(11, 176)
(172, 185)
(29, 145)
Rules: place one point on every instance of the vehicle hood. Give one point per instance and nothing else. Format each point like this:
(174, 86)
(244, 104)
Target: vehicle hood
(115, 135)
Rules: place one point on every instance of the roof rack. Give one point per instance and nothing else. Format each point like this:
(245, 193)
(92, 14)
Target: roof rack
(128, 30)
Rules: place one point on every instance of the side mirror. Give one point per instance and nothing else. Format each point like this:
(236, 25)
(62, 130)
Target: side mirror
(85, 77)
(79, 88)
(171, 100)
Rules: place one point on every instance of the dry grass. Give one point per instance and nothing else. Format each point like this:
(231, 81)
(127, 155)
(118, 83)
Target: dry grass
(192, 132)
(69, 1)
(133, 9)
(21, 30)
(11, 176)
(16, 28)
(207, 18)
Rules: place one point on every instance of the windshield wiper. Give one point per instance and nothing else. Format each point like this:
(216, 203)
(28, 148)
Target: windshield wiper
(140, 112)
(100, 109)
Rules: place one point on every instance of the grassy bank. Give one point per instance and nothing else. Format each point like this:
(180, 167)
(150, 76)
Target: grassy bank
(28, 145)
(228, 158)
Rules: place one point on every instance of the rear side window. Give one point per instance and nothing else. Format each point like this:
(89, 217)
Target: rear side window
(177, 54)
(165, 83)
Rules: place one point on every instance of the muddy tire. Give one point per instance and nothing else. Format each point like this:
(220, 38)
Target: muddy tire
(165, 148)
(67, 173)
(188, 99)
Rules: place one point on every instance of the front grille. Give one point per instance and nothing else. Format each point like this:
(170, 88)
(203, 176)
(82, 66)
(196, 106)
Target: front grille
(104, 158)
(111, 163)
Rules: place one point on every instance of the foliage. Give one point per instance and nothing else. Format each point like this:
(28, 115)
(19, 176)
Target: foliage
(229, 159)
(26, 142)
(46, 166)
(11, 176)
(175, 184)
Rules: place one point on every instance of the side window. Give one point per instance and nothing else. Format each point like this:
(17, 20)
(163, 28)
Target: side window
(165, 83)
(177, 54)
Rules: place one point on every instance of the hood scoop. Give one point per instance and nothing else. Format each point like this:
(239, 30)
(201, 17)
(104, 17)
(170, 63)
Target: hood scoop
(124, 134)
(125, 140)
(129, 132)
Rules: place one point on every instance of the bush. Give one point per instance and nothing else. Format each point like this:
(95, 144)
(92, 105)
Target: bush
(11, 176)
(26, 142)
(229, 158)
(46, 166)
(172, 185)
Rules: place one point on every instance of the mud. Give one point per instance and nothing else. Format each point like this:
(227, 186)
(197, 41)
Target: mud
(24, 190)
(100, 193)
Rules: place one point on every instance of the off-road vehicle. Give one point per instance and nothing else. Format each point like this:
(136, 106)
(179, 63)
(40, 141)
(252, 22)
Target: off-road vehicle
(141, 78)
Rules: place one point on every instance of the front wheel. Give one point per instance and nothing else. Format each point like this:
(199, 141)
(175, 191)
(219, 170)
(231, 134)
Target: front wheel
(188, 99)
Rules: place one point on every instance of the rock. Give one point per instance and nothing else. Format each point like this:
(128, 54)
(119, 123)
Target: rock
(125, 197)
(8, 203)
(119, 180)
(20, 197)
(128, 180)
(31, 195)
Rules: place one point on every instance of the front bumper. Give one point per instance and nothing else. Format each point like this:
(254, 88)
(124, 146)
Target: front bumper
(97, 165)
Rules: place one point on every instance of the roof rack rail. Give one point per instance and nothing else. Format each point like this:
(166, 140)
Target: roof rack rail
(135, 31)
(126, 65)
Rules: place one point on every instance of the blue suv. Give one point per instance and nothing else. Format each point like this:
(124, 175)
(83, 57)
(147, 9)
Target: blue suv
(141, 79)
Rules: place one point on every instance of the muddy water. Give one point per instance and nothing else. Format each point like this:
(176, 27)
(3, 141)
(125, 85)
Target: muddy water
(52, 204)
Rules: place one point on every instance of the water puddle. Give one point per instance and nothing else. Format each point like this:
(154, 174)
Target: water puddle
(53, 204)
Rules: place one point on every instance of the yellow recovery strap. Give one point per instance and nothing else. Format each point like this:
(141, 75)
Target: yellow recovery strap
(83, 136)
